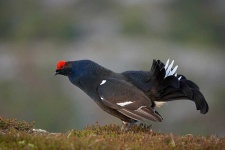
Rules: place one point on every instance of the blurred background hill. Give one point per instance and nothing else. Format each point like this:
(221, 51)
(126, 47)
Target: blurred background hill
(120, 35)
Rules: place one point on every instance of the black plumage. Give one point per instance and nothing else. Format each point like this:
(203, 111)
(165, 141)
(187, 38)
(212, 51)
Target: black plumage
(132, 95)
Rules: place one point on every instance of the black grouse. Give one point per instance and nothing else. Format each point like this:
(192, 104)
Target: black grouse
(132, 95)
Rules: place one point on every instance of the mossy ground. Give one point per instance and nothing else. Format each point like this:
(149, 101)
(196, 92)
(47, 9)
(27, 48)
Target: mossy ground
(20, 135)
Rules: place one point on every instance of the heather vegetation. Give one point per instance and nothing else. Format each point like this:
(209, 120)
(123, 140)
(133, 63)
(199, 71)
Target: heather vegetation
(21, 135)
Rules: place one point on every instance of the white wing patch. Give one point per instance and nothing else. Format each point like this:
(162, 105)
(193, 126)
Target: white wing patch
(124, 103)
(103, 82)
(140, 108)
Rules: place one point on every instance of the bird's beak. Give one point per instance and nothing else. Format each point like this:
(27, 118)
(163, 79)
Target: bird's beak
(57, 72)
(62, 71)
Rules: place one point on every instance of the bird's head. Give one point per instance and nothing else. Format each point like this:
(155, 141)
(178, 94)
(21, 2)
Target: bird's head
(63, 68)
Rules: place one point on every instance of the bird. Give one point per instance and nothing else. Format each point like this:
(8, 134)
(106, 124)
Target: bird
(132, 96)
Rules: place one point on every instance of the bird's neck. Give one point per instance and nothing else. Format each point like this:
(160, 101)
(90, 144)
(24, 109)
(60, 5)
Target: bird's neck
(89, 77)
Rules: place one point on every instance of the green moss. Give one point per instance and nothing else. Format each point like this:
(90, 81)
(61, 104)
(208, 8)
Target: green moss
(100, 137)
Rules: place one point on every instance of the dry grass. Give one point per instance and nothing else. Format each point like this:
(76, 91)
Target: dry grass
(20, 135)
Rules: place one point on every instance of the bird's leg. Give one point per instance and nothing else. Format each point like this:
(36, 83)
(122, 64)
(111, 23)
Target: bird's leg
(127, 125)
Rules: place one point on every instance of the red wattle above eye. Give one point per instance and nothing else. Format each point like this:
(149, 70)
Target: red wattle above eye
(60, 64)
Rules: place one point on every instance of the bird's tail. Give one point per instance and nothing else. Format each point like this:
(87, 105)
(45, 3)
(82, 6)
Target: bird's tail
(168, 86)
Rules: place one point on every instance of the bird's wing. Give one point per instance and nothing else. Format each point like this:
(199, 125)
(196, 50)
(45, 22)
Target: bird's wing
(127, 99)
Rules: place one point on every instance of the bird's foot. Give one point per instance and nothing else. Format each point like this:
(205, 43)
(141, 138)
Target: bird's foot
(127, 125)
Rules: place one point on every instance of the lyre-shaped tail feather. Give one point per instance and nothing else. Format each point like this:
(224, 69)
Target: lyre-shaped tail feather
(169, 86)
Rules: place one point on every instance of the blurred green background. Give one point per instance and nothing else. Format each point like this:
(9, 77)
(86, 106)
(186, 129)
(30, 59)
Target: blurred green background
(120, 35)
